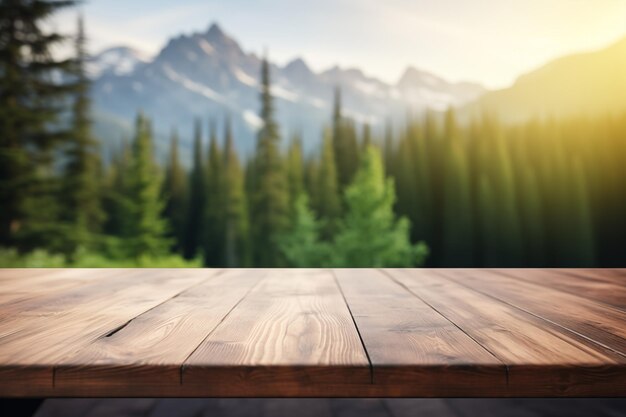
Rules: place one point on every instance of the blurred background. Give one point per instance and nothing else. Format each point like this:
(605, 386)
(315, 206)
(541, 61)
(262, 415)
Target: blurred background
(351, 133)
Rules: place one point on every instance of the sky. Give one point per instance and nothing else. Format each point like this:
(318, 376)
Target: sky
(486, 41)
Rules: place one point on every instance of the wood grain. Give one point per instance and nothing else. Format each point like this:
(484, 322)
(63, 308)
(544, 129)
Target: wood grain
(413, 348)
(541, 358)
(292, 331)
(606, 291)
(312, 333)
(33, 341)
(161, 338)
(598, 322)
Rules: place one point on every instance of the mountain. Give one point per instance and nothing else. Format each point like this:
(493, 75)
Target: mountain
(592, 83)
(418, 87)
(209, 75)
(119, 60)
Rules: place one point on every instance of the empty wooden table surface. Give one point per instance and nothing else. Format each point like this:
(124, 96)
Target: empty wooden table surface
(312, 332)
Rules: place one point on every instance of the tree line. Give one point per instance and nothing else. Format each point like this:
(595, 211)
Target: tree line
(436, 191)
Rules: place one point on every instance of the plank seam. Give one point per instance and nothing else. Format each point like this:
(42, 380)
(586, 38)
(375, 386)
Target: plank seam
(502, 272)
(358, 331)
(117, 329)
(535, 315)
(243, 297)
(506, 366)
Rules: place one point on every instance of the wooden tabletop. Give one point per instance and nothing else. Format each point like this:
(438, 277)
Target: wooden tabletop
(312, 333)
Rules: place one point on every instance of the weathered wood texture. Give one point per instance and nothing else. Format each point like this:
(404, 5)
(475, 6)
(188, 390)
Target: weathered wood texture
(309, 333)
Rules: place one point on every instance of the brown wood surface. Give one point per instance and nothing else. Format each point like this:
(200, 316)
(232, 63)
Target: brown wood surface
(308, 333)
(292, 332)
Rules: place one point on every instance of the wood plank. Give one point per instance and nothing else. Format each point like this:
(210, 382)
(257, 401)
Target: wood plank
(603, 291)
(47, 335)
(291, 336)
(16, 314)
(19, 290)
(413, 349)
(602, 324)
(608, 275)
(542, 359)
(161, 339)
(187, 333)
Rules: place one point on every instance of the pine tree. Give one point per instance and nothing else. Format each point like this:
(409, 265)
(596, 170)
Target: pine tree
(489, 220)
(236, 243)
(116, 190)
(146, 229)
(270, 210)
(458, 229)
(328, 203)
(371, 235)
(311, 179)
(345, 144)
(388, 149)
(81, 186)
(301, 246)
(366, 142)
(295, 170)
(175, 193)
(196, 201)
(214, 236)
(29, 110)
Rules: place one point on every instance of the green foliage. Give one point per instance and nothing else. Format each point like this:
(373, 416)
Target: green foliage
(116, 199)
(270, 193)
(236, 238)
(295, 170)
(196, 202)
(370, 235)
(345, 144)
(175, 195)
(538, 194)
(328, 203)
(40, 258)
(458, 227)
(145, 228)
(29, 133)
(301, 245)
(81, 189)
(541, 193)
(215, 195)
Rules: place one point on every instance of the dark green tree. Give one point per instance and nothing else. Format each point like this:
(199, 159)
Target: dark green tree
(270, 199)
(30, 103)
(175, 193)
(366, 141)
(116, 190)
(301, 246)
(295, 170)
(214, 237)
(196, 201)
(388, 149)
(81, 193)
(236, 240)
(345, 144)
(146, 229)
(458, 228)
(371, 235)
(328, 203)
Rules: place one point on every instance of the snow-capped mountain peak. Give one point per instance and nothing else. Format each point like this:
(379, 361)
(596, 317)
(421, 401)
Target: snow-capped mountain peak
(209, 74)
(119, 60)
